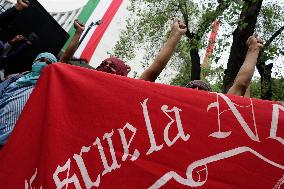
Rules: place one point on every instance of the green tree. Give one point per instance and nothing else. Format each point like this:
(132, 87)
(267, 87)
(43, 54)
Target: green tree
(267, 20)
(277, 86)
(148, 26)
(245, 28)
(271, 27)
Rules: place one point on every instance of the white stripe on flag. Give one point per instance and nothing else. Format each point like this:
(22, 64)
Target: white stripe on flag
(96, 15)
(111, 35)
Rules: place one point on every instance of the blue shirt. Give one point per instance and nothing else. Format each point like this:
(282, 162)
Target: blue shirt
(12, 103)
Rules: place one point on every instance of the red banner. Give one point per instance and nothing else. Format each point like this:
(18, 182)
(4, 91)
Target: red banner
(88, 129)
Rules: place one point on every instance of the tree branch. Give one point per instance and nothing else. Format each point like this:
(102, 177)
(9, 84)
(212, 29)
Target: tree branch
(266, 45)
(223, 5)
(261, 60)
(184, 12)
(276, 34)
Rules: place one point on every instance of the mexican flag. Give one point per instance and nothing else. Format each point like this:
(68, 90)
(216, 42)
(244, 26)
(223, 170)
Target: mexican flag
(94, 11)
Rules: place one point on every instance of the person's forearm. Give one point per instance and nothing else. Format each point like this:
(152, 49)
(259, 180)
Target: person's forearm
(71, 48)
(167, 51)
(247, 70)
(243, 79)
(247, 93)
(162, 59)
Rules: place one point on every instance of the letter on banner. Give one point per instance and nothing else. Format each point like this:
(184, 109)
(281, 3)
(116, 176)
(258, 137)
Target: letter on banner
(154, 147)
(126, 145)
(64, 183)
(178, 123)
(114, 164)
(274, 123)
(237, 115)
(84, 172)
(29, 185)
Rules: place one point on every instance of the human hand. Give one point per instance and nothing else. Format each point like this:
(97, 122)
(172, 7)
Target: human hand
(178, 28)
(16, 39)
(22, 4)
(79, 27)
(254, 43)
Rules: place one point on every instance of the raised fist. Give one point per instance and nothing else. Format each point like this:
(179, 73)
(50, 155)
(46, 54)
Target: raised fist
(178, 27)
(79, 27)
(254, 43)
(22, 4)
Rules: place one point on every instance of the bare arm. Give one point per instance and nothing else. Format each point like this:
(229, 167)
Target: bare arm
(73, 45)
(247, 94)
(243, 79)
(160, 62)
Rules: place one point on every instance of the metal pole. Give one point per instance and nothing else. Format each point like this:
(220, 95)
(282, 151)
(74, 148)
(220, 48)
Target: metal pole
(87, 31)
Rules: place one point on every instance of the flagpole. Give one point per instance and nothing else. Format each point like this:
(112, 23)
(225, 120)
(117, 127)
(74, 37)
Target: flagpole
(88, 30)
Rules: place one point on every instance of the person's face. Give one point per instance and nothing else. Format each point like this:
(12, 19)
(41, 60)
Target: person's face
(47, 61)
(107, 66)
(39, 64)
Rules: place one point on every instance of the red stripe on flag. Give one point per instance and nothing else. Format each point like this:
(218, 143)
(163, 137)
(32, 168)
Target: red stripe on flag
(213, 37)
(212, 41)
(100, 30)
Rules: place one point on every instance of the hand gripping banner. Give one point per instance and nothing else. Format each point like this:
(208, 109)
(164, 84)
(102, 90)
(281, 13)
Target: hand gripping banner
(87, 129)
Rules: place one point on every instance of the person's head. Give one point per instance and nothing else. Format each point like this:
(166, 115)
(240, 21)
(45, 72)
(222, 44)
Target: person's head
(200, 85)
(114, 66)
(42, 60)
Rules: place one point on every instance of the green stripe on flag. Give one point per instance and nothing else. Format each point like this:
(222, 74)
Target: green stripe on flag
(83, 17)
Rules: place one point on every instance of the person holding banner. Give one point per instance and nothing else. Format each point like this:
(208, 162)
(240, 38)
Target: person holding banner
(117, 66)
(114, 65)
(111, 65)
(199, 85)
(14, 93)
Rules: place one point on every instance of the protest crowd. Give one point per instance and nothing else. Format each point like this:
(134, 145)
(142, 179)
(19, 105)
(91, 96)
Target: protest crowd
(16, 88)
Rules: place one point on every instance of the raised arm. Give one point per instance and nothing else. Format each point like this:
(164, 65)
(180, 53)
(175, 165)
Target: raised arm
(73, 45)
(243, 79)
(160, 62)
(22, 4)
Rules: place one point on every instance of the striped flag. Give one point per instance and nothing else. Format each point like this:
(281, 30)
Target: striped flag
(95, 10)
(211, 45)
